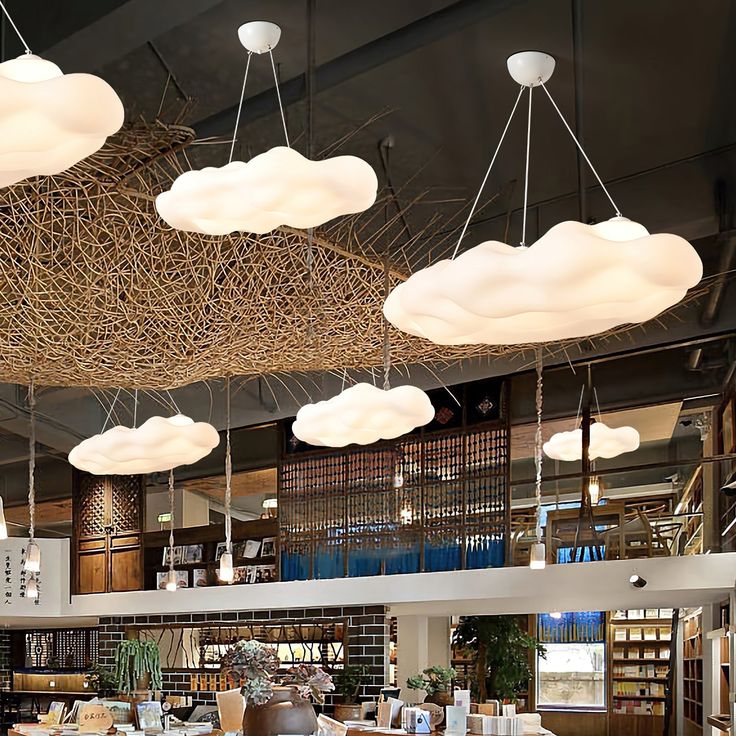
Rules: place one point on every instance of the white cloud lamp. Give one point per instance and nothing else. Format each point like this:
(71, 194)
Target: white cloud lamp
(605, 442)
(50, 121)
(363, 414)
(278, 187)
(159, 444)
(576, 280)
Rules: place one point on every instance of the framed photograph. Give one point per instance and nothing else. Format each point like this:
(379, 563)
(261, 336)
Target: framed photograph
(161, 580)
(269, 547)
(249, 549)
(182, 579)
(121, 711)
(727, 427)
(240, 574)
(55, 713)
(220, 550)
(200, 577)
(192, 553)
(268, 573)
(149, 714)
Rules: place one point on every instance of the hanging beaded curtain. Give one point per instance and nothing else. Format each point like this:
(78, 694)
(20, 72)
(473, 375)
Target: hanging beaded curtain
(576, 626)
(437, 500)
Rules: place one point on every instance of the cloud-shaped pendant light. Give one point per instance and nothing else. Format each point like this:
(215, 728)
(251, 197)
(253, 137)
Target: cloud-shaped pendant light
(278, 187)
(363, 414)
(50, 121)
(605, 442)
(576, 280)
(159, 444)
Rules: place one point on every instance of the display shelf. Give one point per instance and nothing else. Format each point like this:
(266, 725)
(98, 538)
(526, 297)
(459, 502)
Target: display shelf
(692, 672)
(641, 709)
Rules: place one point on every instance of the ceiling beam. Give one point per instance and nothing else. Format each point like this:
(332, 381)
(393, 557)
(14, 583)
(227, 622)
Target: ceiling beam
(378, 52)
(125, 28)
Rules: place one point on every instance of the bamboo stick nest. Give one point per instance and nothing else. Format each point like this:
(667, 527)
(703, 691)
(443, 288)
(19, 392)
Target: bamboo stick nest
(96, 290)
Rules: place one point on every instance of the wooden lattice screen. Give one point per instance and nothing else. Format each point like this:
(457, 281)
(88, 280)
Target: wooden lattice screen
(436, 500)
(66, 648)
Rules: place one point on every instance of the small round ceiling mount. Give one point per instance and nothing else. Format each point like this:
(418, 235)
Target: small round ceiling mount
(530, 68)
(259, 36)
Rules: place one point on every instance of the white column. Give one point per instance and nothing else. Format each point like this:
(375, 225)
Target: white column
(422, 641)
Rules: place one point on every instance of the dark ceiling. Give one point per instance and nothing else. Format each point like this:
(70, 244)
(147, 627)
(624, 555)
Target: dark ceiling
(656, 110)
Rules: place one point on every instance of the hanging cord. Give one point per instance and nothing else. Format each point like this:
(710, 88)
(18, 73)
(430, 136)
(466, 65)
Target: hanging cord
(15, 27)
(278, 94)
(228, 473)
(580, 406)
(32, 462)
(526, 170)
(135, 409)
(597, 405)
(580, 148)
(171, 524)
(240, 108)
(488, 172)
(538, 447)
(386, 343)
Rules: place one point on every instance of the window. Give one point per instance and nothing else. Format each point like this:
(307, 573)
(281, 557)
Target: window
(572, 675)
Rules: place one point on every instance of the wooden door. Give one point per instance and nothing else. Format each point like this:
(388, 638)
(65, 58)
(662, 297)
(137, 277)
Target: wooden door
(108, 526)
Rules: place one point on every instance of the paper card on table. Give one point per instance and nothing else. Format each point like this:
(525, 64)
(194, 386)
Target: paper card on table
(330, 727)
(93, 718)
(456, 719)
(231, 707)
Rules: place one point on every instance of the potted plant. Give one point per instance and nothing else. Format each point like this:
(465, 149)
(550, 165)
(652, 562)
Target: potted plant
(436, 682)
(347, 682)
(500, 650)
(100, 680)
(273, 709)
(137, 667)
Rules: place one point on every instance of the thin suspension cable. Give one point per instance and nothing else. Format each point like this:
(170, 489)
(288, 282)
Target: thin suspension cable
(386, 343)
(15, 27)
(526, 169)
(580, 405)
(580, 148)
(240, 108)
(598, 406)
(488, 172)
(109, 413)
(538, 447)
(135, 409)
(32, 462)
(228, 474)
(278, 95)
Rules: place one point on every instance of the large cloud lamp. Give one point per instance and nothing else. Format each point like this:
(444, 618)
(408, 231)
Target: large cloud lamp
(159, 444)
(605, 442)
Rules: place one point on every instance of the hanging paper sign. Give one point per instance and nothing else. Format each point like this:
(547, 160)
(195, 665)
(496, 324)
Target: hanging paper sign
(94, 718)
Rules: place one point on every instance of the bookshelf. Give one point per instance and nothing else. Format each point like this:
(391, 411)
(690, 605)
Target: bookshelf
(692, 673)
(639, 664)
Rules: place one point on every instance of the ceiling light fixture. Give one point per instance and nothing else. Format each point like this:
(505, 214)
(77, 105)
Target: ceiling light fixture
(538, 552)
(576, 280)
(555, 615)
(158, 445)
(594, 489)
(278, 187)
(32, 586)
(605, 442)
(33, 551)
(637, 581)
(226, 571)
(171, 582)
(50, 120)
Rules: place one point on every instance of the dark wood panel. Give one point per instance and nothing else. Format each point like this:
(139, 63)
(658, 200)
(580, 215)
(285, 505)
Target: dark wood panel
(214, 533)
(91, 568)
(625, 724)
(126, 567)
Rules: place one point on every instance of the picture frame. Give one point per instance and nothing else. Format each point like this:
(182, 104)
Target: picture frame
(192, 553)
(121, 710)
(220, 550)
(268, 547)
(55, 713)
(249, 549)
(200, 577)
(149, 714)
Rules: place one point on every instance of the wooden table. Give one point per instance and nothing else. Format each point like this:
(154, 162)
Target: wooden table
(562, 526)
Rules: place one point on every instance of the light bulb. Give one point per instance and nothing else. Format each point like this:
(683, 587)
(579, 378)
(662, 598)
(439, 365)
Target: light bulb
(171, 580)
(3, 525)
(594, 489)
(32, 587)
(33, 557)
(226, 573)
(538, 556)
(555, 615)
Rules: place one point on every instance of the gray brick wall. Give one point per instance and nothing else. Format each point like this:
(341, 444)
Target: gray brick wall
(366, 641)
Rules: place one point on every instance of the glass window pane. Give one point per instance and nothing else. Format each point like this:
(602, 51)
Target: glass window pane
(572, 674)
